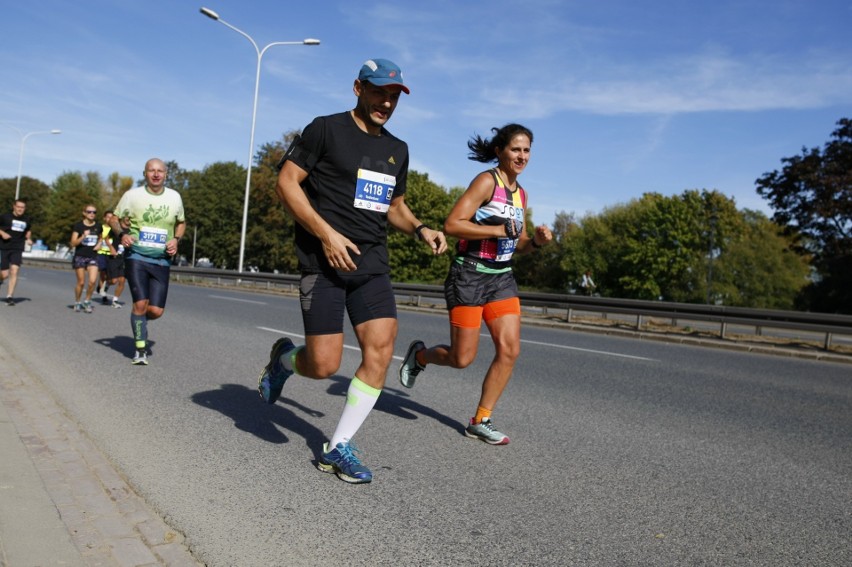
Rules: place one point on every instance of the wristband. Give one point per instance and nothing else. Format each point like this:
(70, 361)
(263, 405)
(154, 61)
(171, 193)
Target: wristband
(418, 232)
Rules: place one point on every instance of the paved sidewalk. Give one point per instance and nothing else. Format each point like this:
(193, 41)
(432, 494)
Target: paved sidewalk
(61, 501)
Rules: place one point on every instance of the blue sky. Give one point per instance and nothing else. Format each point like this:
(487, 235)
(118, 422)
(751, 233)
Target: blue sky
(623, 97)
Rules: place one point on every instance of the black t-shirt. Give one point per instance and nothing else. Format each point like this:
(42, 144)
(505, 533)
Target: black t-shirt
(17, 228)
(89, 247)
(350, 175)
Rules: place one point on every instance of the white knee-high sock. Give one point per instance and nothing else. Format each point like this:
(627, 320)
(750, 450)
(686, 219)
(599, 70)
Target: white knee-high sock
(360, 400)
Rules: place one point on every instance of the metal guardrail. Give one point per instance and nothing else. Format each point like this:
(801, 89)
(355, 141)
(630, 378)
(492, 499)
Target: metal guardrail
(823, 323)
(826, 324)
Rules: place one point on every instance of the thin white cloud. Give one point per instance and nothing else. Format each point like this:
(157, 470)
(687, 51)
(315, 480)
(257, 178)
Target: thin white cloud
(699, 83)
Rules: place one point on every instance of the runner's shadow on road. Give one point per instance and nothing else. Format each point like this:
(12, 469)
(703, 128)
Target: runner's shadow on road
(397, 403)
(265, 421)
(123, 344)
(269, 422)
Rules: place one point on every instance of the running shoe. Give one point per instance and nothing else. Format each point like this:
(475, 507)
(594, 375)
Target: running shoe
(87, 306)
(115, 303)
(78, 307)
(10, 301)
(272, 377)
(342, 461)
(485, 431)
(105, 300)
(141, 357)
(410, 368)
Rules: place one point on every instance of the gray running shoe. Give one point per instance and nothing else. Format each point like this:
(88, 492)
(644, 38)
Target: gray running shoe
(87, 306)
(115, 303)
(410, 368)
(485, 431)
(141, 357)
(78, 307)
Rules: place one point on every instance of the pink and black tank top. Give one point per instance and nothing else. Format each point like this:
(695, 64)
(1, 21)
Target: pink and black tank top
(504, 204)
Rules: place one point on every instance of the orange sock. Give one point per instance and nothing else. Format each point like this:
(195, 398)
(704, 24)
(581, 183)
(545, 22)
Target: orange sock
(481, 413)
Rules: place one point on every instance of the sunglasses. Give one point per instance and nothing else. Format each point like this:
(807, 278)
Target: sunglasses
(89, 212)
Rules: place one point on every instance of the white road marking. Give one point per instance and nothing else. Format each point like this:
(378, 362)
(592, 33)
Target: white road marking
(603, 352)
(280, 332)
(237, 299)
(606, 353)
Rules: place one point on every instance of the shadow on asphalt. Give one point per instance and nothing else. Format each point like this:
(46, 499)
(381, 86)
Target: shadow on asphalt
(124, 344)
(269, 422)
(250, 414)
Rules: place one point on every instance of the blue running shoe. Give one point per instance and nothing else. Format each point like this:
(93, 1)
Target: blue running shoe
(342, 461)
(272, 377)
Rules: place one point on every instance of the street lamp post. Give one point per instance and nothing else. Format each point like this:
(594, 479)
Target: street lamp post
(714, 218)
(213, 15)
(21, 156)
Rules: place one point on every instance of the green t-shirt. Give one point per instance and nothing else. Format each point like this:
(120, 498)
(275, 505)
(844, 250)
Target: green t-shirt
(152, 219)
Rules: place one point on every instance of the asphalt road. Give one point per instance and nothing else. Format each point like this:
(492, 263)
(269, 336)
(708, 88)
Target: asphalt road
(623, 452)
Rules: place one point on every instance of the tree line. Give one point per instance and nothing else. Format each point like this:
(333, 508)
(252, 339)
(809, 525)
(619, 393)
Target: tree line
(696, 247)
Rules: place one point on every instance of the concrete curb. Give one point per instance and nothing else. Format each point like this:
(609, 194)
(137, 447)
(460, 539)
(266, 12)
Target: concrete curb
(63, 502)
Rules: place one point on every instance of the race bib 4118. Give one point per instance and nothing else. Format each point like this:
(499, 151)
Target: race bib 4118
(373, 190)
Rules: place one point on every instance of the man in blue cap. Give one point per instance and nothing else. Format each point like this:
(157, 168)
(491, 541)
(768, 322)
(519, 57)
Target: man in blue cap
(344, 180)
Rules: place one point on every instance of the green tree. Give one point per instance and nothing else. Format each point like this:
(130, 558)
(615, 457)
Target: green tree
(269, 236)
(116, 185)
(812, 197)
(648, 249)
(71, 193)
(694, 247)
(584, 244)
(410, 259)
(177, 178)
(94, 185)
(539, 270)
(213, 203)
(759, 268)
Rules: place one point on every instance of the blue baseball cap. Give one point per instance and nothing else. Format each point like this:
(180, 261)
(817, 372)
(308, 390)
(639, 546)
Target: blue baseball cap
(382, 73)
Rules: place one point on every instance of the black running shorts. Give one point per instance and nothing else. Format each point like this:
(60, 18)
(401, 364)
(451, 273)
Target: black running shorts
(147, 281)
(467, 286)
(325, 297)
(115, 267)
